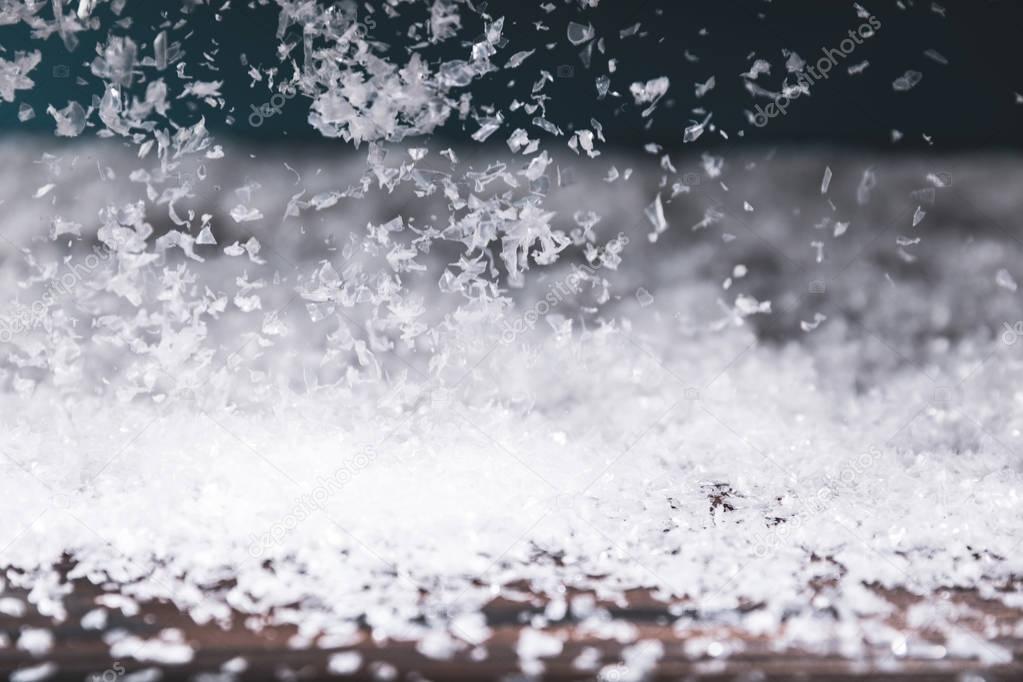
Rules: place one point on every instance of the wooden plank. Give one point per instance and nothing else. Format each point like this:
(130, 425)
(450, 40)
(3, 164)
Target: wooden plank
(79, 653)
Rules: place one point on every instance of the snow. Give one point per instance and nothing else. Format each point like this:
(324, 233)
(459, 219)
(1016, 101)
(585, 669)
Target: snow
(605, 449)
(364, 412)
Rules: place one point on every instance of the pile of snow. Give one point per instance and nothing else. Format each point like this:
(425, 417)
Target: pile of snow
(224, 371)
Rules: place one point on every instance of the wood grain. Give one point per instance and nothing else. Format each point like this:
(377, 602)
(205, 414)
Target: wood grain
(79, 653)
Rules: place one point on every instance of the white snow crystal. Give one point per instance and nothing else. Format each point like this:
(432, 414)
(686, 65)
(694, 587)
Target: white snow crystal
(651, 91)
(1005, 280)
(344, 663)
(14, 73)
(244, 214)
(907, 81)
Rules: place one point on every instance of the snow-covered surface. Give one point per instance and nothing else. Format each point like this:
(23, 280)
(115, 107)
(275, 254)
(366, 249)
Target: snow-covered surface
(384, 387)
(671, 444)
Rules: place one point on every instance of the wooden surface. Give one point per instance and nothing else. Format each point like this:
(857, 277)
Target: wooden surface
(79, 653)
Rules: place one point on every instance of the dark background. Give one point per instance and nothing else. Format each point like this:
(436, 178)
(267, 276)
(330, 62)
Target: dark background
(970, 103)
